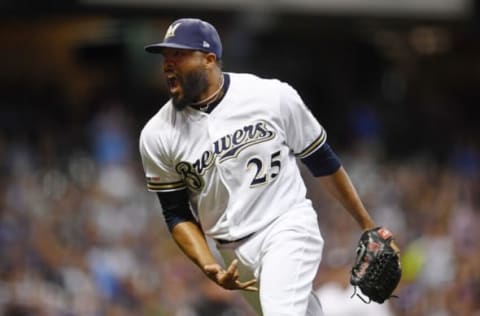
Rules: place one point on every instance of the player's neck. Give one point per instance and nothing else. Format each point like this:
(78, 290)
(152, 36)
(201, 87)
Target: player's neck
(211, 97)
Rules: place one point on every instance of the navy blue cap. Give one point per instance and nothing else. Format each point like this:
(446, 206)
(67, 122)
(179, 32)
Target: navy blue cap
(191, 34)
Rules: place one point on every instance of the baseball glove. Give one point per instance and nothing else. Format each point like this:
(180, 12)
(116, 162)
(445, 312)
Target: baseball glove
(377, 269)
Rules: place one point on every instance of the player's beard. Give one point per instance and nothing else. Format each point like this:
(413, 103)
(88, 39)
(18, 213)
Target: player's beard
(193, 84)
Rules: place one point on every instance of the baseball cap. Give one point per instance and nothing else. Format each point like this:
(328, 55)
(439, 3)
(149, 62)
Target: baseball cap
(189, 33)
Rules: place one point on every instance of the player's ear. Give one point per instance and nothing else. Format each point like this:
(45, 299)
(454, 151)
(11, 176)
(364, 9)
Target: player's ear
(210, 60)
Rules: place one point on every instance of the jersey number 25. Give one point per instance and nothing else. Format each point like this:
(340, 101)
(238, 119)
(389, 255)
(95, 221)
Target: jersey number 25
(263, 176)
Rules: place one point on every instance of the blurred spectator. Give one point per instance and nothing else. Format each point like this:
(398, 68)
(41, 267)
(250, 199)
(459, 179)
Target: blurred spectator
(109, 130)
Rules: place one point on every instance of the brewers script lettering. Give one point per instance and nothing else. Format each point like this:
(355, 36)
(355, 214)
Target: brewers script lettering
(226, 147)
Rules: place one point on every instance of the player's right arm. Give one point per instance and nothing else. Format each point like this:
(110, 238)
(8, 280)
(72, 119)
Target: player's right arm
(184, 228)
(191, 240)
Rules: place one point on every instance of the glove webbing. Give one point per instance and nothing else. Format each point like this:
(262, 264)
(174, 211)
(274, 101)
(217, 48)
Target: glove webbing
(374, 272)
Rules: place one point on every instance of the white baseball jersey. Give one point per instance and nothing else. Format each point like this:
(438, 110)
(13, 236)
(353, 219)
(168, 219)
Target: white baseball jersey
(237, 162)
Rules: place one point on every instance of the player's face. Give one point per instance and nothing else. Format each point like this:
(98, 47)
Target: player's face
(185, 74)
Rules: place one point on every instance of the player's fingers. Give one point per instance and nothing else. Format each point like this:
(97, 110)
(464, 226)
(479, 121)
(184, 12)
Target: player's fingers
(251, 289)
(232, 268)
(248, 285)
(232, 271)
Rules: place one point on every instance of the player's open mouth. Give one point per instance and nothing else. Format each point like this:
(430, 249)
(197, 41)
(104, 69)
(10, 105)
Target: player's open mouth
(173, 83)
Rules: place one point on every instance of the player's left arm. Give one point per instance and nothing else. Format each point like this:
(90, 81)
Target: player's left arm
(325, 165)
(339, 185)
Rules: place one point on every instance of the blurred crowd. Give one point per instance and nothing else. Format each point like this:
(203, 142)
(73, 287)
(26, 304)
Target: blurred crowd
(434, 213)
(81, 236)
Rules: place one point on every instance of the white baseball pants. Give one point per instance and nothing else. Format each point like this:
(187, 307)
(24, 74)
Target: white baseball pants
(284, 257)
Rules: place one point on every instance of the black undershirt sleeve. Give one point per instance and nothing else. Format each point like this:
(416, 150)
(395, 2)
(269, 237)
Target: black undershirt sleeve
(175, 207)
(322, 162)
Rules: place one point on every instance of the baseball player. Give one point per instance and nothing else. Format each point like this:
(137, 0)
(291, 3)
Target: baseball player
(222, 156)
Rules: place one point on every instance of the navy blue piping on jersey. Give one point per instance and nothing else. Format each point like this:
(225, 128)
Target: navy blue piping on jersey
(322, 162)
(175, 207)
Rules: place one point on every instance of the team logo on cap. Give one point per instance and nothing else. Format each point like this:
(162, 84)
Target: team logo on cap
(171, 30)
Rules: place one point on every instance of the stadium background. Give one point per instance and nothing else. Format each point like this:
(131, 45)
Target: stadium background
(394, 83)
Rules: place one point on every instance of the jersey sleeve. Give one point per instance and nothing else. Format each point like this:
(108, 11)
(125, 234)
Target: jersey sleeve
(159, 170)
(304, 134)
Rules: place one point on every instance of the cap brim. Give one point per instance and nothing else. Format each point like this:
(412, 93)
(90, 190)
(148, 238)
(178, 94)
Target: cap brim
(158, 48)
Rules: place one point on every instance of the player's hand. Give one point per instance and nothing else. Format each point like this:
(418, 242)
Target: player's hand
(228, 279)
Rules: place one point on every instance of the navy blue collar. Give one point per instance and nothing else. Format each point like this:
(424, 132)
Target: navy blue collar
(226, 85)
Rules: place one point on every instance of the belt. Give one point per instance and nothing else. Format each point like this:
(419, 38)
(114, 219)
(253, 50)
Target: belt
(225, 241)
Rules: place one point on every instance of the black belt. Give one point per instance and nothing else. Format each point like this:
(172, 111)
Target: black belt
(225, 241)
